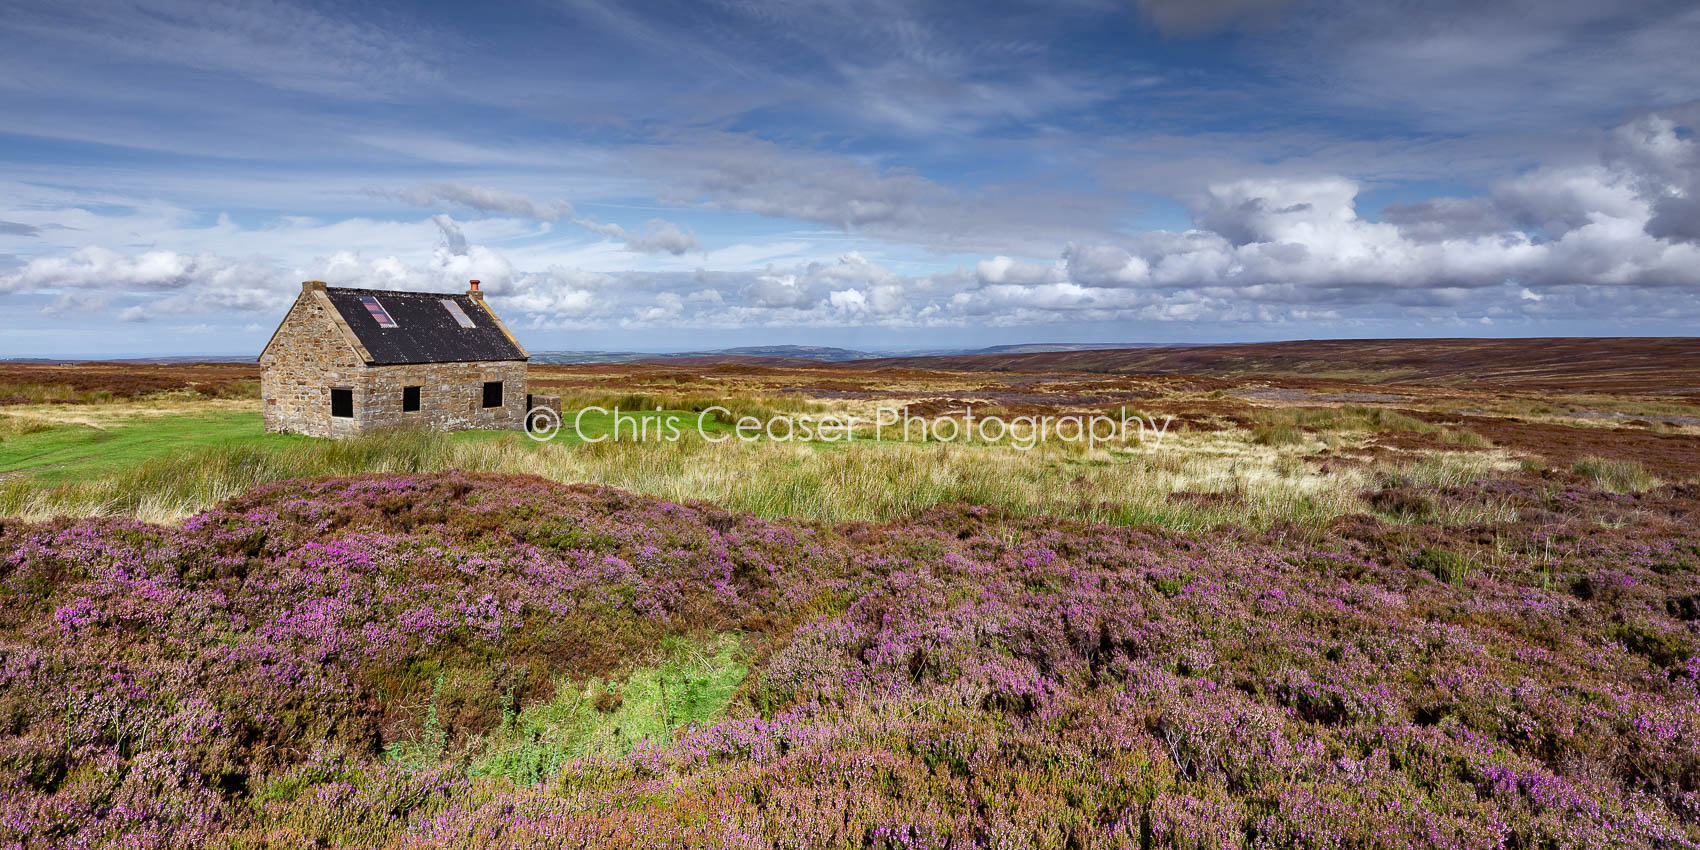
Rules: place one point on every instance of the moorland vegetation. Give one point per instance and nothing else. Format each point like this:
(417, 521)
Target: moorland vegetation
(1321, 613)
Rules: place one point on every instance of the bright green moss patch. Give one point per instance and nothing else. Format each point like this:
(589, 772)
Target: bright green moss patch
(691, 686)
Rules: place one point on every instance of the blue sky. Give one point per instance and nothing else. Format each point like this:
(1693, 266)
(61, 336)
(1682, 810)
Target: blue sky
(663, 176)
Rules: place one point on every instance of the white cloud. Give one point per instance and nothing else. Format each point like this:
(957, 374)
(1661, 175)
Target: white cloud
(96, 267)
(480, 198)
(658, 237)
(454, 239)
(863, 198)
(661, 236)
(76, 303)
(1105, 265)
(1001, 269)
(848, 300)
(1581, 240)
(1662, 151)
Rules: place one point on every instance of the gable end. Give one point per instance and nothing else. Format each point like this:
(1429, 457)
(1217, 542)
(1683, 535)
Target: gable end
(312, 317)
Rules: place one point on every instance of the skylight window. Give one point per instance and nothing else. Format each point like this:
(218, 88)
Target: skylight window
(379, 314)
(459, 314)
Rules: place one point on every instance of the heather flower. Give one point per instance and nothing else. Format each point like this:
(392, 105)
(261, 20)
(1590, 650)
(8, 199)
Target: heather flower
(962, 678)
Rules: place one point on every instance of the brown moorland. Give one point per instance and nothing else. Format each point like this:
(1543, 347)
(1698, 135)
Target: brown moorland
(1373, 598)
(36, 383)
(1560, 401)
(1666, 365)
(1554, 401)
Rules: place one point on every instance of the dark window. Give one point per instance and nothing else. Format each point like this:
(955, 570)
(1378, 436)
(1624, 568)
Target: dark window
(342, 403)
(492, 393)
(409, 399)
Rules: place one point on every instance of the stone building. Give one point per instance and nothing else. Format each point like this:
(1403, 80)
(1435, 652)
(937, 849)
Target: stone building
(346, 361)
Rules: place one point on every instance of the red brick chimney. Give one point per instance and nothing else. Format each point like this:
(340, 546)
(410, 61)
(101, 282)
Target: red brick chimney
(473, 291)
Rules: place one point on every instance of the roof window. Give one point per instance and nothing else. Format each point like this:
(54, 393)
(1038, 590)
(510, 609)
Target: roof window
(379, 314)
(465, 321)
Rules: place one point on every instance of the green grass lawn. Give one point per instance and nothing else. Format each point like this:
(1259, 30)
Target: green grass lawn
(69, 452)
(73, 452)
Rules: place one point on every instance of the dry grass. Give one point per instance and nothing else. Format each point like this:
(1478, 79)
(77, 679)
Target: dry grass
(1282, 426)
(115, 412)
(1617, 476)
(1193, 481)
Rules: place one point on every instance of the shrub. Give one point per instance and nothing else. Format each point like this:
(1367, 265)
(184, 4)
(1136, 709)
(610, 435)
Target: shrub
(1464, 437)
(1447, 565)
(1277, 435)
(962, 676)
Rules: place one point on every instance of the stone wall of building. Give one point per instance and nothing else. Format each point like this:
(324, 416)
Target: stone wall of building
(451, 396)
(306, 358)
(310, 356)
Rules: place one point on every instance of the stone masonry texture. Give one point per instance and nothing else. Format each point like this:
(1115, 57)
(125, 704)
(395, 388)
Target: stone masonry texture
(310, 356)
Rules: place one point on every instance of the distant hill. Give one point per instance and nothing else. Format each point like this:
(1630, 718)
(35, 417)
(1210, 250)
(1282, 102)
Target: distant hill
(152, 361)
(1666, 365)
(806, 353)
(801, 354)
(776, 355)
(568, 357)
(1044, 347)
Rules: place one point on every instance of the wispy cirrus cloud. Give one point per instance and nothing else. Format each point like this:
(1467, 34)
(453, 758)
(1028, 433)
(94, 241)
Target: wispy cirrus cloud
(480, 198)
(285, 45)
(656, 236)
(864, 198)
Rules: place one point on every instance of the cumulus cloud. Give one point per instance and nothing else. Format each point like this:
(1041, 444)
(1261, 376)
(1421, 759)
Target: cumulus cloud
(1586, 224)
(165, 282)
(1546, 243)
(96, 267)
(1662, 151)
(453, 261)
(1001, 269)
(1105, 265)
(1440, 219)
(1250, 211)
(660, 236)
(1597, 240)
(562, 294)
(1175, 277)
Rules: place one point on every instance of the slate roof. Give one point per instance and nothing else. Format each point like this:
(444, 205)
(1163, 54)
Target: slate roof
(425, 331)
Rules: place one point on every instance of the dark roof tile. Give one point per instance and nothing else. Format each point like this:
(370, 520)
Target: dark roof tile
(425, 331)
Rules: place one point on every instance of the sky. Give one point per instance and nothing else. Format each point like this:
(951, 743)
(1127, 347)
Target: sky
(659, 176)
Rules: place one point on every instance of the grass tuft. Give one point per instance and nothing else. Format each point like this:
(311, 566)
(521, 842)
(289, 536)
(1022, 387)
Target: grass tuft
(1618, 476)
